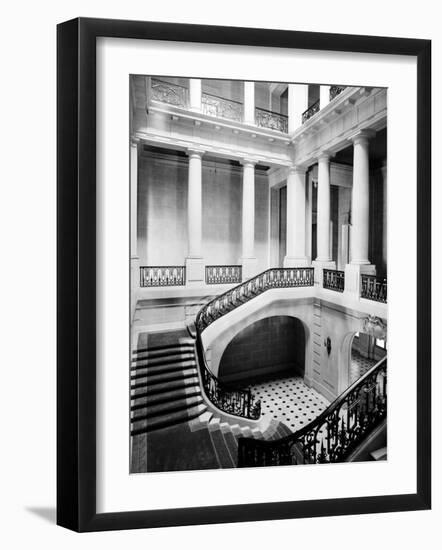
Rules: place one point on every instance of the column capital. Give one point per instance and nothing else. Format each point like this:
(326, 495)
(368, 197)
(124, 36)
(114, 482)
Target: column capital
(297, 169)
(247, 161)
(134, 141)
(195, 152)
(362, 136)
(324, 156)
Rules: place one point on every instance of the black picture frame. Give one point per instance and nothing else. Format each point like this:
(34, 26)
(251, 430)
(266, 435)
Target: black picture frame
(76, 273)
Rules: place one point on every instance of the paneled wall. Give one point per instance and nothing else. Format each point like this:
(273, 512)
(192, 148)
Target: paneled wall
(162, 211)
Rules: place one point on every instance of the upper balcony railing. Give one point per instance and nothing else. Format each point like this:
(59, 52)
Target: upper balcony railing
(335, 91)
(170, 275)
(374, 288)
(333, 279)
(220, 107)
(223, 274)
(174, 94)
(271, 120)
(312, 110)
(216, 106)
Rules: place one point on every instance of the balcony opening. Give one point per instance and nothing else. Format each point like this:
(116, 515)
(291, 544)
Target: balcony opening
(366, 351)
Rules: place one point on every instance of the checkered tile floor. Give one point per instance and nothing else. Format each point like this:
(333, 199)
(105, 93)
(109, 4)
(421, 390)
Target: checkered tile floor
(290, 400)
(359, 365)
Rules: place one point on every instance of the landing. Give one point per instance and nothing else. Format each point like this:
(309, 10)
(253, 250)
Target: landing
(290, 400)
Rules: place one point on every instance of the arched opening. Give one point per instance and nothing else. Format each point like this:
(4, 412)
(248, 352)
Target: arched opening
(366, 351)
(273, 346)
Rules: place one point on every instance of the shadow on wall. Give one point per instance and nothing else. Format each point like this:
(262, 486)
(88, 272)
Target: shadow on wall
(269, 347)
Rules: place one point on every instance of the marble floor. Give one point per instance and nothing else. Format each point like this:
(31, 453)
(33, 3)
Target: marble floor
(359, 365)
(290, 400)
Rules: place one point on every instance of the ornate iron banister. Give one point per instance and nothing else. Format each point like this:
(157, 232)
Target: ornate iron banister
(374, 288)
(271, 278)
(271, 120)
(334, 434)
(333, 279)
(240, 402)
(237, 401)
(308, 113)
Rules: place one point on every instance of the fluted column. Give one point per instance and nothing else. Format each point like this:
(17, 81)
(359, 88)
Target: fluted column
(249, 102)
(248, 259)
(296, 204)
(297, 104)
(323, 223)
(195, 94)
(194, 260)
(360, 202)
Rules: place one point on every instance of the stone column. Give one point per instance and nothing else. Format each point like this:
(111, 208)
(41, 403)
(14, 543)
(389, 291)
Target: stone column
(324, 96)
(295, 255)
(248, 259)
(360, 201)
(323, 259)
(323, 209)
(360, 210)
(134, 259)
(195, 94)
(297, 104)
(249, 102)
(194, 260)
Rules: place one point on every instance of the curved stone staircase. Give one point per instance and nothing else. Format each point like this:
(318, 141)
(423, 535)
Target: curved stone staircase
(172, 425)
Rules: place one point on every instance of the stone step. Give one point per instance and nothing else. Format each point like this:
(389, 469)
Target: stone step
(160, 361)
(145, 390)
(160, 351)
(170, 419)
(230, 441)
(164, 378)
(151, 411)
(180, 393)
(221, 450)
(141, 372)
(152, 350)
(201, 422)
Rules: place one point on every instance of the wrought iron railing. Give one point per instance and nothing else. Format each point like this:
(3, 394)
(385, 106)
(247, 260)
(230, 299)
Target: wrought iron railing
(174, 94)
(308, 113)
(333, 279)
(220, 107)
(334, 434)
(237, 401)
(233, 298)
(335, 90)
(171, 275)
(223, 274)
(271, 120)
(374, 288)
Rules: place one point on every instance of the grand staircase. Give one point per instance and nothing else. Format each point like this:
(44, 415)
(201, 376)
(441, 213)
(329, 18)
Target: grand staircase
(168, 408)
(164, 386)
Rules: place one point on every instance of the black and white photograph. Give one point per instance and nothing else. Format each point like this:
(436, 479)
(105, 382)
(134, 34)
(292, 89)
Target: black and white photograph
(258, 273)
